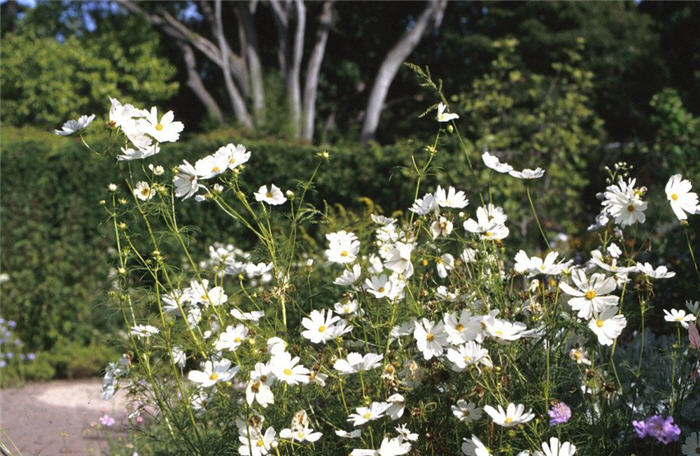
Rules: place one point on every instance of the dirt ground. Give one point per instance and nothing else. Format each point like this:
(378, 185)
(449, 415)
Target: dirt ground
(59, 418)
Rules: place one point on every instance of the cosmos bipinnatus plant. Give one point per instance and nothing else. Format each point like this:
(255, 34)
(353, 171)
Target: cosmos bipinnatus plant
(420, 333)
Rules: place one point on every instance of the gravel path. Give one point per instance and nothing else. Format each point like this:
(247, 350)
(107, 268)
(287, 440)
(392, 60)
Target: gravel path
(59, 417)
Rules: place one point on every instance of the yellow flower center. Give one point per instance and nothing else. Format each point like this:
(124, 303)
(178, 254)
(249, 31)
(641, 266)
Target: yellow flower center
(213, 376)
(430, 337)
(145, 191)
(599, 323)
(467, 359)
(425, 262)
(380, 289)
(255, 387)
(260, 442)
(459, 327)
(590, 294)
(159, 127)
(287, 371)
(509, 420)
(488, 234)
(630, 208)
(322, 328)
(215, 169)
(674, 197)
(344, 253)
(238, 340)
(498, 332)
(268, 194)
(367, 416)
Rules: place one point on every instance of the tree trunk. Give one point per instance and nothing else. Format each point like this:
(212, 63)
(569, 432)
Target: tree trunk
(250, 50)
(194, 81)
(293, 77)
(237, 102)
(391, 64)
(313, 69)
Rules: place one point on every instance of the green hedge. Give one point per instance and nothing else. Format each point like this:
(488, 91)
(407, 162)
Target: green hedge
(57, 246)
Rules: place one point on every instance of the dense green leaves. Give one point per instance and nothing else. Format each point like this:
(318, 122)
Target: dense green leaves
(46, 82)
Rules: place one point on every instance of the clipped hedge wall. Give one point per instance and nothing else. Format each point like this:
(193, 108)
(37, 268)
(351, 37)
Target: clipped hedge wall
(57, 245)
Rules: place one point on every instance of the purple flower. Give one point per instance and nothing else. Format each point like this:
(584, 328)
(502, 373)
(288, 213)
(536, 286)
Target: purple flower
(641, 428)
(662, 429)
(560, 413)
(12, 323)
(106, 420)
(31, 356)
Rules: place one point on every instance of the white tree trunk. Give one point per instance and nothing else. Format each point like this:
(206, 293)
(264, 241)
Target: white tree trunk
(194, 81)
(392, 62)
(313, 69)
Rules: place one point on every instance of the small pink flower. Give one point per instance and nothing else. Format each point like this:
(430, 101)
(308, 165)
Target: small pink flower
(106, 420)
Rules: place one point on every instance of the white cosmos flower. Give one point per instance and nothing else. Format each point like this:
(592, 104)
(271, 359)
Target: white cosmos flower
(463, 328)
(405, 433)
(489, 223)
(661, 272)
(389, 447)
(623, 202)
(535, 265)
(557, 448)
(503, 330)
(254, 315)
(349, 276)
(143, 191)
(679, 316)
(467, 355)
(164, 130)
(466, 412)
(691, 446)
(430, 337)
(300, 434)
(120, 115)
(468, 255)
(375, 411)
(258, 388)
(598, 260)
(288, 369)
(607, 325)
(185, 181)
(398, 258)
(491, 161)
(144, 330)
(355, 362)
(378, 286)
(397, 405)
(512, 416)
(210, 166)
(425, 205)
(693, 307)
(450, 198)
(343, 247)
(232, 338)
(212, 373)
(135, 154)
(348, 435)
(348, 307)
(444, 263)
(527, 173)
(590, 295)
(443, 116)
(73, 126)
(681, 198)
(273, 196)
(321, 326)
(257, 444)
(276, 345)
(234, 156)
(474, 447)
(442, 226)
